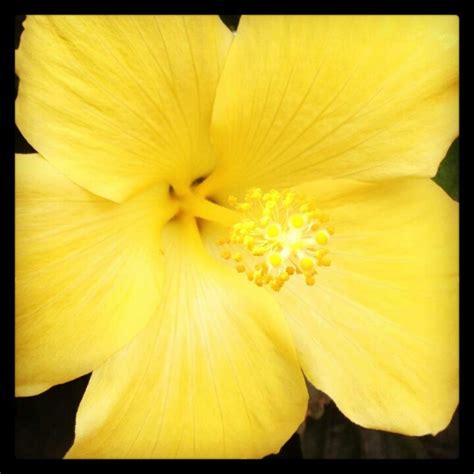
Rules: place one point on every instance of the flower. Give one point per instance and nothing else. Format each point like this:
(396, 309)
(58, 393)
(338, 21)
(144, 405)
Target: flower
(322, 133)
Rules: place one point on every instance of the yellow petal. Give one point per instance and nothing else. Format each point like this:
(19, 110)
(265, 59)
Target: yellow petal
(378, 332)
(305, 97)
(31, 390)
(88, 273)
(214, 374)
(119, 102)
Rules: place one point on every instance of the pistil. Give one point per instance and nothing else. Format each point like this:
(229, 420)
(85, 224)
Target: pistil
(279, 235)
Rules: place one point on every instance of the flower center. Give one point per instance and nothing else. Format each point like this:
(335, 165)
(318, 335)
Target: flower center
(281, 234)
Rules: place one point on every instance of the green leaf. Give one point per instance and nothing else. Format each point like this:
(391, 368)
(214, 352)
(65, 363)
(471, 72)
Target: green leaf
(448, 172)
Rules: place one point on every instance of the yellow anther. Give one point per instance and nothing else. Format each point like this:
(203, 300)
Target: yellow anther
(237, 257)
(240, 268)
(324, 261)
(315, 225)
(248, 241)
(306, 263)
(273, 230)
(251, 225)
(225, 254)
(310, 280)
(290, 270)
(284, 276)
(330, 229)
(275, 259)
(256, 193)
(320, 253)
(289, 199)
(270, 204)
(297, 221)
(321, 237)
(310, 272)
(258, 251)
(250, 276)
(245, 206)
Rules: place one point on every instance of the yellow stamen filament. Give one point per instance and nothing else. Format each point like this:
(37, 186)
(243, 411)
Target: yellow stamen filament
(279, 235)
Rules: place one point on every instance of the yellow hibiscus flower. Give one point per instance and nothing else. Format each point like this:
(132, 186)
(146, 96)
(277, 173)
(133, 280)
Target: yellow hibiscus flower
(324, 132)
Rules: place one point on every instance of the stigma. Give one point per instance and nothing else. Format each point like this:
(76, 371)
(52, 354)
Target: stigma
(281, 235)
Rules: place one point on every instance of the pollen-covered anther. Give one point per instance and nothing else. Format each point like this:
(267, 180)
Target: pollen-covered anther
(282, 235)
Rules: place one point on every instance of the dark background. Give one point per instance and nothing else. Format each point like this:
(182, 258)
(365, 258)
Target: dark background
(44, 424)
